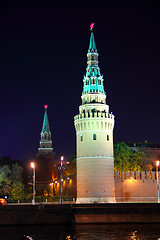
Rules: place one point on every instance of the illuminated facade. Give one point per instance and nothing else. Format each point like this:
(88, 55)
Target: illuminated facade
(94, 129)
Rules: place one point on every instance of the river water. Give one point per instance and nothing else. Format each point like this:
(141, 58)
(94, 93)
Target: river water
(82, 232)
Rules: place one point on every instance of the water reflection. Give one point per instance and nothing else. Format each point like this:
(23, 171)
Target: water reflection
(82, 232)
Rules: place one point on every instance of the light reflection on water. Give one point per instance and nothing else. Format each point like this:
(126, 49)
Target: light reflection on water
(82, 232)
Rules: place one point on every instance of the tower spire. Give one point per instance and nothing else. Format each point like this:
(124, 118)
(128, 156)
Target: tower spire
(45, 127)
(93, 80)
(92, 44)
(45, 142)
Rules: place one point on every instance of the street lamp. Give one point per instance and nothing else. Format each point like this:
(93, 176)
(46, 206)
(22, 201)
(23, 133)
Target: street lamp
(61, 168)
(157, 164)
(34, 182)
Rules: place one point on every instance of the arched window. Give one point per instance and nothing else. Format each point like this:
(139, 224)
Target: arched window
(81, 138)
(94, 136)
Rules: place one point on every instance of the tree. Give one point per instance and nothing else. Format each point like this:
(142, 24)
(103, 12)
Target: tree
(128, 160)
(17, 191)
(17, 172)
(11, 181)
(137, 160)
(121, 157)
(5, 180)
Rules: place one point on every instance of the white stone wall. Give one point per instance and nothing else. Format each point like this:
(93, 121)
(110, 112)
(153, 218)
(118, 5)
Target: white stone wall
(95, 163)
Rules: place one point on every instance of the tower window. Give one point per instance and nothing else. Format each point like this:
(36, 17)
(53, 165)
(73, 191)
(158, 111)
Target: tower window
(107, 137)
(94, 136)
(81, 138)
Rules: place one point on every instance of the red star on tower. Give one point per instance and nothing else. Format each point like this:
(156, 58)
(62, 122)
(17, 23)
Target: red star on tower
(92, 26)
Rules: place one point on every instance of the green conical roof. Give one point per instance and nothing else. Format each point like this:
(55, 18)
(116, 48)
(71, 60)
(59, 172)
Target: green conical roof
(45, 127)
(92, 44)
(93, 81)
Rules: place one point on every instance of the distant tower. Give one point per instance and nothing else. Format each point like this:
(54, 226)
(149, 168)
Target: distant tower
(46, 142)
(46, 169)
(94, 129)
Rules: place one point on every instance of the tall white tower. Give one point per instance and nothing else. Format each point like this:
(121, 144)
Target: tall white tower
(94, 129)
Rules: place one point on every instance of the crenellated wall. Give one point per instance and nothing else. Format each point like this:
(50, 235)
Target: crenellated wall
(136, 186)
(94, 121)
(129, 186)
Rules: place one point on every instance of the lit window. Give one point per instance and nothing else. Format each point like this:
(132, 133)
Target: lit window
(81, 138)
(94, 136)
(107, 137)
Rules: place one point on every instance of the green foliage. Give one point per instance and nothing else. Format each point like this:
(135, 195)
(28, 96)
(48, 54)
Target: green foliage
(128, 160)
(11, 180)
(17, 172)
(121, 157)
(5, 180)
(17, 191)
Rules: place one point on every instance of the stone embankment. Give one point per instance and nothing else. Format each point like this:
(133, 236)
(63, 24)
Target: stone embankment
(79, 213)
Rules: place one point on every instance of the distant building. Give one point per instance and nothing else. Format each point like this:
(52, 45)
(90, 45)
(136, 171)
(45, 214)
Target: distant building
(153, 149)
(94, 137)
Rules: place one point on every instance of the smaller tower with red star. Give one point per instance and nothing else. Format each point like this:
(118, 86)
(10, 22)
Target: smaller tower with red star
(45, 142)
(46, 166)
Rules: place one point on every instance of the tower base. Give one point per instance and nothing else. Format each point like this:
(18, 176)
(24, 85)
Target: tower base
(96, 200)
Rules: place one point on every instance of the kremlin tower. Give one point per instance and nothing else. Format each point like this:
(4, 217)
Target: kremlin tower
(94, 137)
(46, 168)
(45, 142)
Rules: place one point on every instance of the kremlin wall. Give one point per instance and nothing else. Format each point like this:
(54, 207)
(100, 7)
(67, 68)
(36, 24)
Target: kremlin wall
(129, 187)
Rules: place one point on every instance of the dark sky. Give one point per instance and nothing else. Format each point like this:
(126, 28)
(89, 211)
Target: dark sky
(43, 49)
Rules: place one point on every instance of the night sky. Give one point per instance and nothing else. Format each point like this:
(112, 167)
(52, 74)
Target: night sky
(43, 49)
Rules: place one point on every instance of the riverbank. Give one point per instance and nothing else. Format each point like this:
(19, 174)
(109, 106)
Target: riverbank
(79, 213)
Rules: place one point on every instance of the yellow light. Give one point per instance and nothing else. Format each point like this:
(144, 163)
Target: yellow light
(55, 182)
(157, 163)
(68, 178)
(51, 184)
(32, 165)
(62, 158)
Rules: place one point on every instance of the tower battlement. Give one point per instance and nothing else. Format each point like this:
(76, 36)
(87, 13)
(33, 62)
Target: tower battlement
(94, 121)
(136, 175)
(92, 115)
